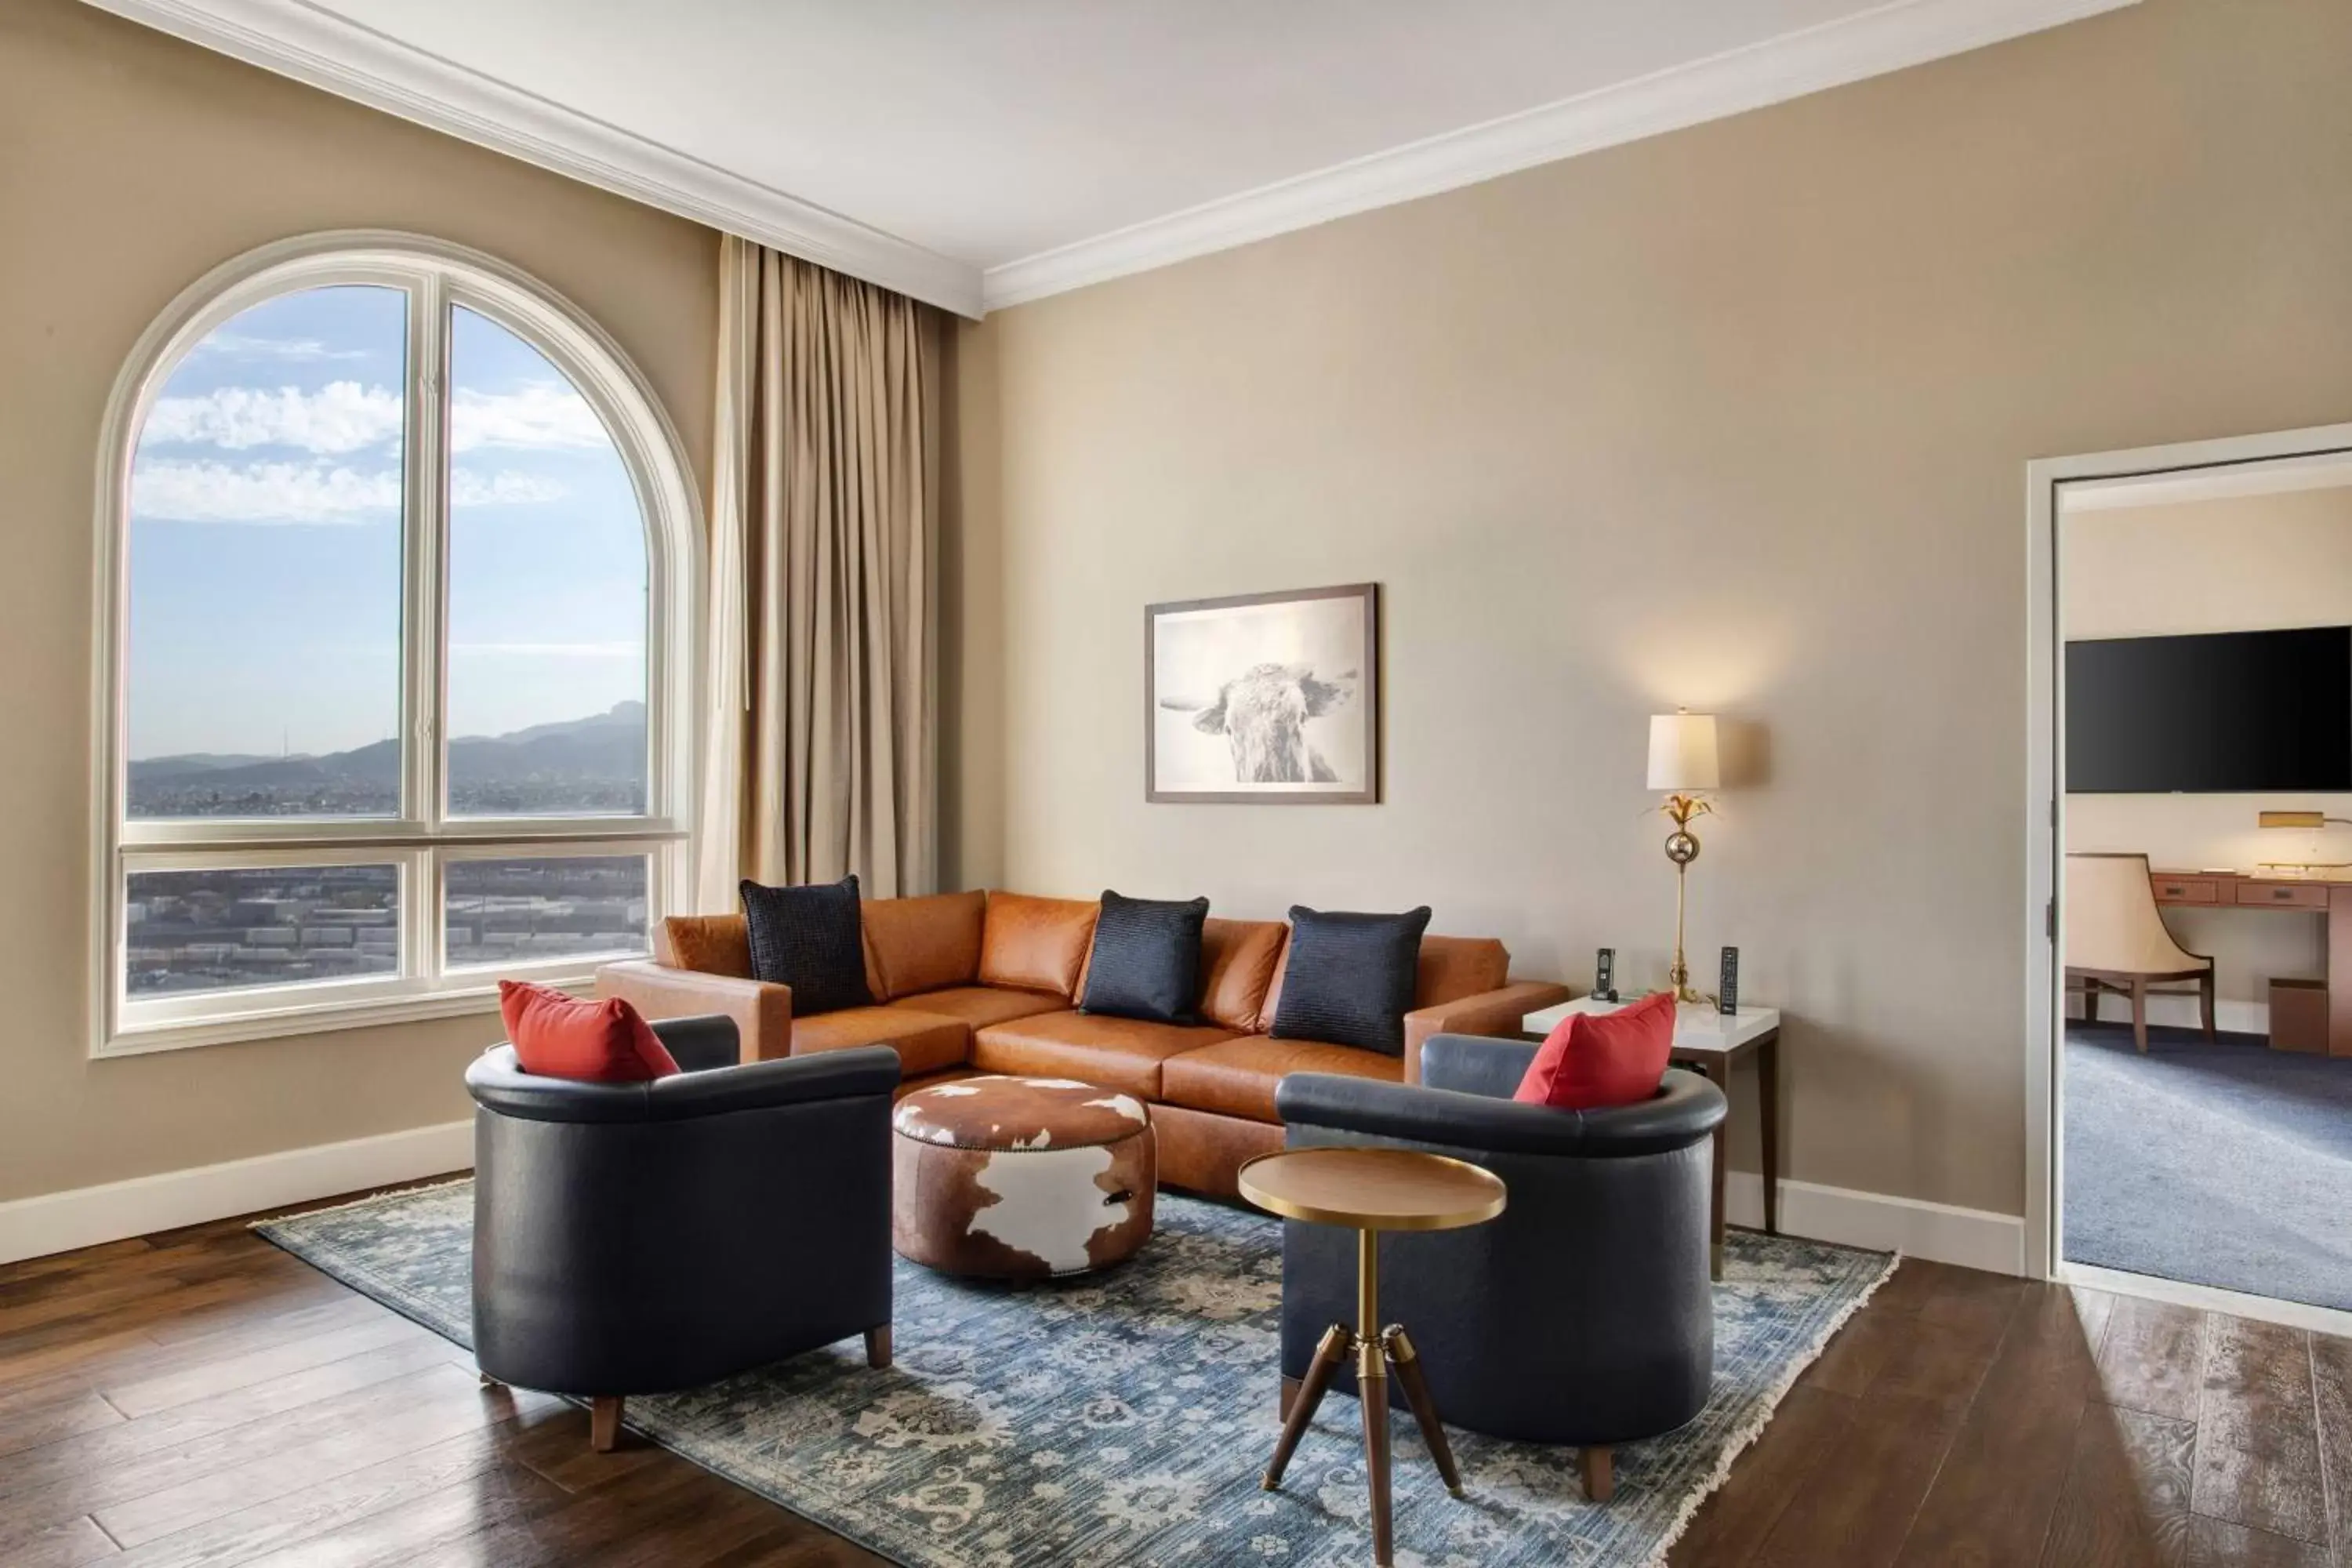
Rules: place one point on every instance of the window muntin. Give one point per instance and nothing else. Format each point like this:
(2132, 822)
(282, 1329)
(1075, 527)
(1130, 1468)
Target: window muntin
(560, 456)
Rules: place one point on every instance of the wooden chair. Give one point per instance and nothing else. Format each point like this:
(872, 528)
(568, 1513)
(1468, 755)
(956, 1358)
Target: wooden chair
(2116, 941)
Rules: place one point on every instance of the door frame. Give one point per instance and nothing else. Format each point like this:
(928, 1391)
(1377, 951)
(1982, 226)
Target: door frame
(2045, 805)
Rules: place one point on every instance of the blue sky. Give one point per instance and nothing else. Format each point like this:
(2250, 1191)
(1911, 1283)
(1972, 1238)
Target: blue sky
(264, 537)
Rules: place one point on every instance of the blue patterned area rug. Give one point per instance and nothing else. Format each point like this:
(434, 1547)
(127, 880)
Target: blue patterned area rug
(1123, 1419)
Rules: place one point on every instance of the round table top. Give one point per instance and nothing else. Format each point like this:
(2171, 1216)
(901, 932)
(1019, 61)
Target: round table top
(1373, 1189)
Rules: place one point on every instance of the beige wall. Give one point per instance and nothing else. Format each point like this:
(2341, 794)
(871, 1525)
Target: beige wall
(2239, 563)
(130, 163)
(1736, 418)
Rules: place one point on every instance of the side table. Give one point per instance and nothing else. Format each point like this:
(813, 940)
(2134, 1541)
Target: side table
(1369, 1191)
(1708, 1043)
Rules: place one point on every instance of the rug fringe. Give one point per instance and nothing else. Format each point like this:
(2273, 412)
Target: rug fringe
(1740, 1442)
(429, 1185)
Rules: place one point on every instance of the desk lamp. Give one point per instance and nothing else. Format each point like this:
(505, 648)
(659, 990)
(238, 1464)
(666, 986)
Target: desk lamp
(2313, 820)
(1683, 763)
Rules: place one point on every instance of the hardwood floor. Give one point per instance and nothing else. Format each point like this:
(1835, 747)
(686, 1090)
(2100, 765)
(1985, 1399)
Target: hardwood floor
(199, 1397)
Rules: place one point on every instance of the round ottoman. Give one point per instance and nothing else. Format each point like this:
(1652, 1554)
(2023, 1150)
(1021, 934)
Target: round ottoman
(1020, 1178)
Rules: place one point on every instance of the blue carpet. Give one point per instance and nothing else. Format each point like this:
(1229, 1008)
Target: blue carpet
(1122, 1418)
(2226, 1164)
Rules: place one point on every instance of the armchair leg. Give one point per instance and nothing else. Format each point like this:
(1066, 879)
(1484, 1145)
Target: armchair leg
(604, 1422)
(877, 1348)
(2139, 1014)
(2205, 1001)
(1600, 1472)
(2091, 1002)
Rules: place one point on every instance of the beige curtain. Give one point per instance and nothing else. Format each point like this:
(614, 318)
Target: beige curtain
(823, 533)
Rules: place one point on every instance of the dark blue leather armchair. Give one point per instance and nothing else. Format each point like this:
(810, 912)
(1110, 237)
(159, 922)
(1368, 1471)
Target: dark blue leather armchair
(1584, 1314)
(634, 1238)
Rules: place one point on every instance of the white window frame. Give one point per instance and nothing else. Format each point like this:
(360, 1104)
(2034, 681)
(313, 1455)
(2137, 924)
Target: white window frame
(438, 277)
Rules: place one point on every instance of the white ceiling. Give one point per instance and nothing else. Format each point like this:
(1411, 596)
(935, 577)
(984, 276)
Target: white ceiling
(992, 133)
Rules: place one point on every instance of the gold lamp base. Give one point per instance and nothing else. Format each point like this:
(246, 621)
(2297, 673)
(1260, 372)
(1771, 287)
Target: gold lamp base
(1681, 848)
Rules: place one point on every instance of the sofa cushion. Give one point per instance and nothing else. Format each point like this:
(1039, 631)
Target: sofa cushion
(1348, 979)
(1145, 960)
(1236, 1077)
(1238, 964)
(981, 1005)
(811, 939)
(709, 944)
(1592, 1060)
(1453, 967)
(1036, 944)
(923, 944)
(925, 1042)
(556, 1035)
(1123, 1054)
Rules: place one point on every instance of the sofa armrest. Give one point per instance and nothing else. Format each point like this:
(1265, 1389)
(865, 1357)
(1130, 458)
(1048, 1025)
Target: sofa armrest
(1489, 1013)
(762, 1012)
(1685, 1110)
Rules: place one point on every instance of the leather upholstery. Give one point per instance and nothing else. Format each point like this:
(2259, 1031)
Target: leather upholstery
(1237, 963)
(981, 1005)
(629, 1241)
(713, 944)
(1238, 1078)
(1201, 1151)
(922, 943)
(1036, 944)
(1496, 1012)
(1124, 1054)
(763, 1013)
(925, 1042)
(1584, 1314)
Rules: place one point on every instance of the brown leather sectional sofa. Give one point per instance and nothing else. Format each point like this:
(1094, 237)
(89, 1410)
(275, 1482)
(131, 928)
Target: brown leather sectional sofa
(984, 983)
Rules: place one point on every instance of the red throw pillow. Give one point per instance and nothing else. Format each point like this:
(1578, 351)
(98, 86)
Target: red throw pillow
(1592, 1059)
(556, 1036)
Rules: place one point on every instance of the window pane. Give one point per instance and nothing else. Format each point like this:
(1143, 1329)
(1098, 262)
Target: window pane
(224, 930)
(546, 591)
(523, 912)
(264, 566)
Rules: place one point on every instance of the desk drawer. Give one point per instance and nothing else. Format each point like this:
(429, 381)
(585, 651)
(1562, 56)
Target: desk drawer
(2284, 895)
(2186, 890)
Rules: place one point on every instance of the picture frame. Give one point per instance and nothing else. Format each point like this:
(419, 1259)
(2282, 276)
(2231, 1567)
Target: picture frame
(1264, 699)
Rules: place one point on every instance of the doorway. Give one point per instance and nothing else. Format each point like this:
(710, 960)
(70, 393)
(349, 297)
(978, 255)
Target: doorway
(2190, 875)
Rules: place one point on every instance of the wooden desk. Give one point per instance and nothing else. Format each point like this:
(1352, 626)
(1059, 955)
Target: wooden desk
(1708, 1043)
(2328, 896)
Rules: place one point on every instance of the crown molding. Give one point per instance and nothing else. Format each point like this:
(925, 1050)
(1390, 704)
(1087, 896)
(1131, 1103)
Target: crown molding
(1890, 37)
(313, 46)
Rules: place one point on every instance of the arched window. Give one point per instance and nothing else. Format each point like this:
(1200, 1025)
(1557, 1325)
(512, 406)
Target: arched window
(397, 566)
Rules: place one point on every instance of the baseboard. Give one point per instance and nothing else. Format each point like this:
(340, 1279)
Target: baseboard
(2209, 1298)
(1971, 1239)
(86, 1216)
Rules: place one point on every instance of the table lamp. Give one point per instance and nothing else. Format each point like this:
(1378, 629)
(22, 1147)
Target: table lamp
(2313, 821)
(1683, 763)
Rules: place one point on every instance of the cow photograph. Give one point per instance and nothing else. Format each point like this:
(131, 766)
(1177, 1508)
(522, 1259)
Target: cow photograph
(1264, 698)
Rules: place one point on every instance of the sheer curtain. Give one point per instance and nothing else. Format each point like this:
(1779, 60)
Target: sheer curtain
(824, 523)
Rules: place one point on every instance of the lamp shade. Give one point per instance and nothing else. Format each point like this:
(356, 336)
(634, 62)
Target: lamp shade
(1682, 752)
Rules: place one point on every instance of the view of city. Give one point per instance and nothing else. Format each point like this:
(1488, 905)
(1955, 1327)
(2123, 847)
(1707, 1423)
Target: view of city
(222, 930)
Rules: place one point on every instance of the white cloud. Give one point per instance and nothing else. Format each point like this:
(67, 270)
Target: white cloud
(542, 413)
(265, 493)
(341, 416)
(469, 487)
(279, 493)
(239, 345)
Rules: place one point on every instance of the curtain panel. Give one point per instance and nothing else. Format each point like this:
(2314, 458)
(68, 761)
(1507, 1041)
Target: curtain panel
(823, 596)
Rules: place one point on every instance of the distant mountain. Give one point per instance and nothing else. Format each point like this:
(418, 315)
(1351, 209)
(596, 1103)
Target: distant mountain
(597, 763)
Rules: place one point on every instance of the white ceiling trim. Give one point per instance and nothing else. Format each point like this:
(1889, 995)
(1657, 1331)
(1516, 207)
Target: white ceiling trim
(1891, 37)
(313, 46)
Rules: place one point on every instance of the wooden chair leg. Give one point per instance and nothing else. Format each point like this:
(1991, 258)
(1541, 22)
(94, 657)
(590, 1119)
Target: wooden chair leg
(2091, 992)
(2139, 1014)
(2205, 1001)
(604, 1422)
(877, 1348)
(1600, 1472)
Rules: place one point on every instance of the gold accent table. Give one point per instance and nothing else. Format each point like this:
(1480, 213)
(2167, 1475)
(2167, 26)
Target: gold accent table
(1369, 1191)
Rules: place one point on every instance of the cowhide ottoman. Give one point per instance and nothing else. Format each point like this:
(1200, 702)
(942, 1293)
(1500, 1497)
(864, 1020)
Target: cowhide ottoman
(1020, 1178)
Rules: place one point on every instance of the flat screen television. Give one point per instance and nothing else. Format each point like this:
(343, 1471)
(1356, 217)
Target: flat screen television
(2222, 712)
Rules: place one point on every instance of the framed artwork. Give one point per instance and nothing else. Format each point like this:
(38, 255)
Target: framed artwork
(1267, 699)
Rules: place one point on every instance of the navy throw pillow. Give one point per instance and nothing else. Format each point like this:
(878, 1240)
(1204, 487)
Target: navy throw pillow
(811, 939)
(1146, 962)
(1350, 978)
